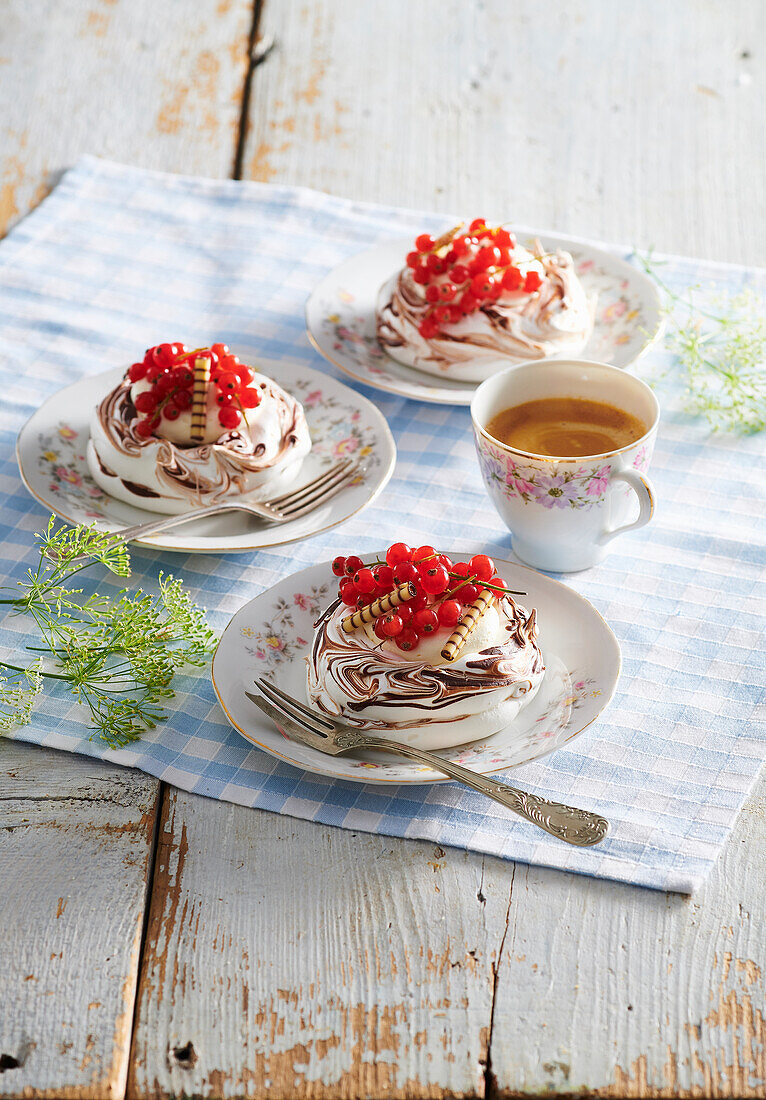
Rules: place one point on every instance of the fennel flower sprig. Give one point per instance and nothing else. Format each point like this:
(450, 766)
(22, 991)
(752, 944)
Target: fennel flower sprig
(720, 344)
(117, 654)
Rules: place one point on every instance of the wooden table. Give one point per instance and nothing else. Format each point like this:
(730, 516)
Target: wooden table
(155, 943)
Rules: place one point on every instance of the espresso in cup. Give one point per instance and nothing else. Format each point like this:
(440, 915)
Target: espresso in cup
(566, 427)
(563, 448)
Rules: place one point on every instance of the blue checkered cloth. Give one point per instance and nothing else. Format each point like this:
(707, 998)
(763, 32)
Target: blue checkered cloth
(118, 259)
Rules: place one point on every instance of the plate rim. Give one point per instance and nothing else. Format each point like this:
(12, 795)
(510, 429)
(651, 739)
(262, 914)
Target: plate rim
(425, 780)
(434, 399)
(156, 542)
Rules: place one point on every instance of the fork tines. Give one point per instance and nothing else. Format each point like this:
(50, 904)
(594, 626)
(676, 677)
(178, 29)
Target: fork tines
(294, 709)
(313, 491)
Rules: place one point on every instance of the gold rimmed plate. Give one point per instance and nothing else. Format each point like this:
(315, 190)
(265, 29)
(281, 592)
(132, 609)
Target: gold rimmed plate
(341, 310)
(272, 633)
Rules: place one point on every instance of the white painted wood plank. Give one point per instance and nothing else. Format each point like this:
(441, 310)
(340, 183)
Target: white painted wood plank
(154, 84)
(639, 123)
(286, 959)
(75, 847)
(611, 988)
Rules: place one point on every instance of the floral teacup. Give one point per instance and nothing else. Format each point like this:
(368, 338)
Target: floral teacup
(564, 512)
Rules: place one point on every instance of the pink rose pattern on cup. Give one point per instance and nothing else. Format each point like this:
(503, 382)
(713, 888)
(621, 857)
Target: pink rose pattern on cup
(573, 486)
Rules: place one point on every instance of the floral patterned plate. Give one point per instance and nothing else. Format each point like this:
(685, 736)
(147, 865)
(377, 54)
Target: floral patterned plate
(271, 635)
(51, 456)
(340, 317)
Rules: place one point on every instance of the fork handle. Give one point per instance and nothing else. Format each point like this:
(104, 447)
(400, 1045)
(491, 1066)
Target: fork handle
(569, 823)
(163, 523)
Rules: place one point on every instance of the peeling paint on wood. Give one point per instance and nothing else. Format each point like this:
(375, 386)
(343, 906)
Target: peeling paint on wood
(71, 909)
(308, 962)
(157, 85)
(540, 113)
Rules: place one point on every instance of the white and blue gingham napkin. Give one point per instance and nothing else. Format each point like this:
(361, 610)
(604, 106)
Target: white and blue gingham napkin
(117, 259)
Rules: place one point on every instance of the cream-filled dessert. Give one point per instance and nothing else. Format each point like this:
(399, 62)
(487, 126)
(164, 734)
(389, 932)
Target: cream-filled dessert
(415, 672)
(474, 296)
(185, 429)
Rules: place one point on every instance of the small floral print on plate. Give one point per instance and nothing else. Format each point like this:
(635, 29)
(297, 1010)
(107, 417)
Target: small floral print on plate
(340, 316)
(272, 634)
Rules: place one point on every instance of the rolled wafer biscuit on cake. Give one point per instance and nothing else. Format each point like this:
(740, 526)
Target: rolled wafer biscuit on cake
(424, 670)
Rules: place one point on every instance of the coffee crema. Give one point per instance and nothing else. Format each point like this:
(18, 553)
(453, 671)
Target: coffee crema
(566, 427)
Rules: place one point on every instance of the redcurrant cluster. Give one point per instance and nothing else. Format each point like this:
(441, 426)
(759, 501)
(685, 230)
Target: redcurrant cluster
(443, 588)
(462, 271)
(168, 368)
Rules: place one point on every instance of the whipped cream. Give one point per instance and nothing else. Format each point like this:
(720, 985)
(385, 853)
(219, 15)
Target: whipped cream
(260, 459)
(416, 696)
(556, 320)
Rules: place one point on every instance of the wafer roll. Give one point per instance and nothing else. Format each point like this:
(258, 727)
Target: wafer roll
(469, 619)
(382, 606)
(199, 398)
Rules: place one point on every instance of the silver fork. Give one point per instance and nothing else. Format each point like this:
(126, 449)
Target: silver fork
(288, 506)
(575, 826)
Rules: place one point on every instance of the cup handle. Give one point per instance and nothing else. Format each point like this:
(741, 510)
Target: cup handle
(644, 490)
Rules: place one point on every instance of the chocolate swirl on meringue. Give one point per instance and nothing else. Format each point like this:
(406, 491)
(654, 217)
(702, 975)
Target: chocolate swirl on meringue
(373, 685)
(171, 476)
(556, 320)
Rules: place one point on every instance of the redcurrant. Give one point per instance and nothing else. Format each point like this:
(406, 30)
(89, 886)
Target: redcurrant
(468, 593)
(228, 381)
(384, 577)
(469, 303)
(144, 428)
(405, 571)
(407, 640)
(435, 579)
(499, 587)
(377, 629)
(339, 566)
(392, 624)
(349, 595)
(532, 282)
(512, 279)
(481, 566)
(229, 418)
(476, 224)
(171, 411)
(353, 565)
(425, 621)
(182, 376)
(432, 293)
(183, 399)
(423, 553)
(397, 552)
(249, 399)
(480, 284)
(364, 581)
(146, 402)
(421, 275)
(449, 613)
(137, 372)
(424, 243)
(413, 259)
